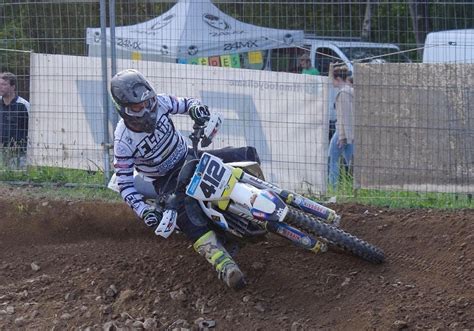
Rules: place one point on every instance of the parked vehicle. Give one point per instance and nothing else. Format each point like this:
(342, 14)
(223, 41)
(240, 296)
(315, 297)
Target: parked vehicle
(451, 46)
(327, 50)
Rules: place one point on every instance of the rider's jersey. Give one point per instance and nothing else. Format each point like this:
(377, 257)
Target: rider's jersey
(152, 154)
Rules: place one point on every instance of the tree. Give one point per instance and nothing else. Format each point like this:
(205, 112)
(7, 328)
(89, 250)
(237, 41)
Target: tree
(419, 13)
(366, 24)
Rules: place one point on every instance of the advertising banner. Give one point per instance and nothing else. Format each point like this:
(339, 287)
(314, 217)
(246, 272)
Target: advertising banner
(283, 115)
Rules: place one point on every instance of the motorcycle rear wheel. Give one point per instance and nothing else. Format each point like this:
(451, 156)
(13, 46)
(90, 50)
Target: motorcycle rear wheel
(334, 236)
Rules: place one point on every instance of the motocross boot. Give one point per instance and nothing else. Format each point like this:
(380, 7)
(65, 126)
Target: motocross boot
(209, 246)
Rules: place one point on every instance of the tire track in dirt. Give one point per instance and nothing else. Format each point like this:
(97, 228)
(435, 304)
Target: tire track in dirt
(418, 264)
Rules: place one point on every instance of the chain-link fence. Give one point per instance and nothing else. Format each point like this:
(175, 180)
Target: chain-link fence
(264, 66)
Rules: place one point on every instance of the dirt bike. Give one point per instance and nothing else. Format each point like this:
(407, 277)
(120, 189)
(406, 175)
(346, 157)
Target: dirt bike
(239, 203)
(242, 207)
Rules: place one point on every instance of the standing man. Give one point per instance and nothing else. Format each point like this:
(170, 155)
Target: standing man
(14, 122)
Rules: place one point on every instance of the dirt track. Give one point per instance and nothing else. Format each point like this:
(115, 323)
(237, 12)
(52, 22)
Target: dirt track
(85, 265)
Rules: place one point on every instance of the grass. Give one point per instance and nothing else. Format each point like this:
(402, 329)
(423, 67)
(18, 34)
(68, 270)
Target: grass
(53, 175)
(83, 184)
(345, 193)
(56, 182)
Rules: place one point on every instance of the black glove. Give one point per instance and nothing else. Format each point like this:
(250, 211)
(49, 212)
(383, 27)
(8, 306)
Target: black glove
(152, 217)
(199, 113)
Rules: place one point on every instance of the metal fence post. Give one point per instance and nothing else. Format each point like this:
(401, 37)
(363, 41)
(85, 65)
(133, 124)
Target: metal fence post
(106, 143)
(113, 53)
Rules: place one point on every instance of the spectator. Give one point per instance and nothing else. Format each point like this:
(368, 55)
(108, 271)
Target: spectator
(305, 64)
(342, 142)
(13, 122)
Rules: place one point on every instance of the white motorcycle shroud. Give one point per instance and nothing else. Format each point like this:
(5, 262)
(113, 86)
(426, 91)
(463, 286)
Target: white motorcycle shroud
(208, 185)
(213, 181)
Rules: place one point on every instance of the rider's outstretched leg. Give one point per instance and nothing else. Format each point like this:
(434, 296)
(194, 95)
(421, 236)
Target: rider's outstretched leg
(210, 247)
(193, 223)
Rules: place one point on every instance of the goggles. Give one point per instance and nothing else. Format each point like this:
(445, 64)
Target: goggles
(140, 109)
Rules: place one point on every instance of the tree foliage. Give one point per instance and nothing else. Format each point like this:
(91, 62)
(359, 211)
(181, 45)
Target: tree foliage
(60, 28)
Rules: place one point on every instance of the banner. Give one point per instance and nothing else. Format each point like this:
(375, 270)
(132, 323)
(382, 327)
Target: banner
(283, 115)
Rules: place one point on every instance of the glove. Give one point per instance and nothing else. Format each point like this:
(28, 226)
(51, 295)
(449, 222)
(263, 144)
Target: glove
(152, 217)
(167, 224)
(199, 113)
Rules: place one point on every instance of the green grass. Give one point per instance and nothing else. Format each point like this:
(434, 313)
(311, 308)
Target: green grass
(53, 175)
(56, 182)
(345, 193)
(54, 192)
(83, 184)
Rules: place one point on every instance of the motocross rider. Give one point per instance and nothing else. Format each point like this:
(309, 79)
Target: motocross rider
(145, 140)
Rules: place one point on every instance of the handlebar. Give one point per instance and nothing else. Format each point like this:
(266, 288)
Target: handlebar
(204, 133)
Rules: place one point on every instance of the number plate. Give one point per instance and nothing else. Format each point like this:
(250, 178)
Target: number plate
(210, 179)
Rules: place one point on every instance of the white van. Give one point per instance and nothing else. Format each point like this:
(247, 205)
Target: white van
(324, 51)
(451, 46)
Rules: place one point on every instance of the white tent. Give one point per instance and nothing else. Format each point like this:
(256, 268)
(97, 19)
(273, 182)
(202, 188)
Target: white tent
(191, 29)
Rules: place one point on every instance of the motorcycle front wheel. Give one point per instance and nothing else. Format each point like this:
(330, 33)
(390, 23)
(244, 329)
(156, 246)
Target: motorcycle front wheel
(334, 236)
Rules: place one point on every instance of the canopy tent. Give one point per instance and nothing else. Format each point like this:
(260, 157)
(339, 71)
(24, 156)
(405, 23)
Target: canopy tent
(190, 30)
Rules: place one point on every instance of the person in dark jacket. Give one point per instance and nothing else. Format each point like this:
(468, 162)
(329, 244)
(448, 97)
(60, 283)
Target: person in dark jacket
(13, 121)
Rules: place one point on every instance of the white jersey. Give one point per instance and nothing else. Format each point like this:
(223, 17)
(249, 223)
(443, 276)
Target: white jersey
(152, 154)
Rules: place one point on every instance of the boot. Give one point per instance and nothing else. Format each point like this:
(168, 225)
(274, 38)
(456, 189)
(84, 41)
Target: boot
(209, 246)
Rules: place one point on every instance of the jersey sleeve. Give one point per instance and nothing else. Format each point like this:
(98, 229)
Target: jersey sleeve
(123, 166)
(176, 105)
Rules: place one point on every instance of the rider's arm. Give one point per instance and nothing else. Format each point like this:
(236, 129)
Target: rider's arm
(176, 105)
(124, 164)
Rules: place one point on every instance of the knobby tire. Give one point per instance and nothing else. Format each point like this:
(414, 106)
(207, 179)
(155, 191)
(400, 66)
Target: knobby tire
(335, 236)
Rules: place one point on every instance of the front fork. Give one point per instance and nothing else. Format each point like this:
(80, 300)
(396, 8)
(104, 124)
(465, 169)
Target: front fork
(296, 200)
(296, 236)
(273, 223)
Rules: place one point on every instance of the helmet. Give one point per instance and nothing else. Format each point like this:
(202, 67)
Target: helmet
(134, 99)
